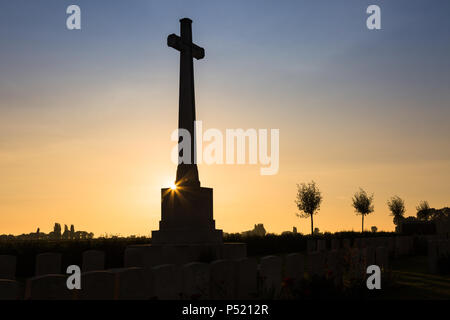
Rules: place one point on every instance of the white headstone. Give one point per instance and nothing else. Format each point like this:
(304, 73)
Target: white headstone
(48, 287)
(311, 245)
(93, 260)
(132, 284)
(246, 278)
(382, 257)
(432, 256)
(97, 285)
(346, 243)
(367, 256)
(403, 245)
(9, 290)
(270, 274)
(195, 281)
(222, 280)
(294, 266)
(48, 263)
(7, 267)
(335, 244)
(321, 245)
(145, 256)
(331, 269)
(315, 263)
(166, 282)
(356, 268)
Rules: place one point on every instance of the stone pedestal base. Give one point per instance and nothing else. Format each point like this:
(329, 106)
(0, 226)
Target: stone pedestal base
(187, 217)
(152, 255)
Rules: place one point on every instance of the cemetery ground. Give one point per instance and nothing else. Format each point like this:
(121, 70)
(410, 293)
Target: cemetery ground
(407, 277)
(413, 281)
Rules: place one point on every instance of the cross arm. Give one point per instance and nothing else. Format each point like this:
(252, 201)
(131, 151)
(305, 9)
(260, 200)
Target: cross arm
(198, 52)
(175, 42)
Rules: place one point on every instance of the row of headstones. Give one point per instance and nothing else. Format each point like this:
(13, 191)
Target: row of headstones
(221, 279)
(436, 250)
(47, 274)
(398, 246)
(50, 263)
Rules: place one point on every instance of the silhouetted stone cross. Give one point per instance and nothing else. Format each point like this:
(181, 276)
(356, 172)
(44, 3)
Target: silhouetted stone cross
(187, 173)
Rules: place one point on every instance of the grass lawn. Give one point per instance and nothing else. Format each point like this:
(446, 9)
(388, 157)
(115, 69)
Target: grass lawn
(412, 281)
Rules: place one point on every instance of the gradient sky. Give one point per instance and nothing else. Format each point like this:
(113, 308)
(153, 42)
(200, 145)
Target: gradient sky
(86, 116)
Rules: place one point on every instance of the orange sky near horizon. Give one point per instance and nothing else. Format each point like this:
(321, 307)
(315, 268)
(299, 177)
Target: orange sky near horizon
(86, 117)
(106, 178)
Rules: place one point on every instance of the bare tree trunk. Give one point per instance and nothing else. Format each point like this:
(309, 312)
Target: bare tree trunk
(362, 227)
(312, 225)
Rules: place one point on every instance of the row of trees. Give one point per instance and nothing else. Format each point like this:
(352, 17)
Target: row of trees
(309, 199)
(71, 234)
(56, 234)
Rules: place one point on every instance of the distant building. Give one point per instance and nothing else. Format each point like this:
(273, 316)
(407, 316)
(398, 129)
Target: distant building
(294, 231)
(258, 230)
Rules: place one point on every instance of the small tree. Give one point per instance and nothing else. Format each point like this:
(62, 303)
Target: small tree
(363, 204)
(397, 207)
(423, 211)
(308, 201)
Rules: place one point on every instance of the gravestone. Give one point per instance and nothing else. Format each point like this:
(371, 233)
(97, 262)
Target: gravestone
(335, 244)
(332, 270)
(97, 285)
(367, 256)
(315, 264)
(382, 257)
(294, 266)
(346, 243)
(9, 290)
(166, 281)
(391, 245)
(93, 260)
(356, 267)
(401, 246)
(270, 275)
(321, 245)
(245, 271)
(143, 256)
(7, 267)
(48, 287)
(132, 284)
(432, 256)
(196, 281)
(222, 280)
(48, 263)
(437, 249)
(311, 245)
